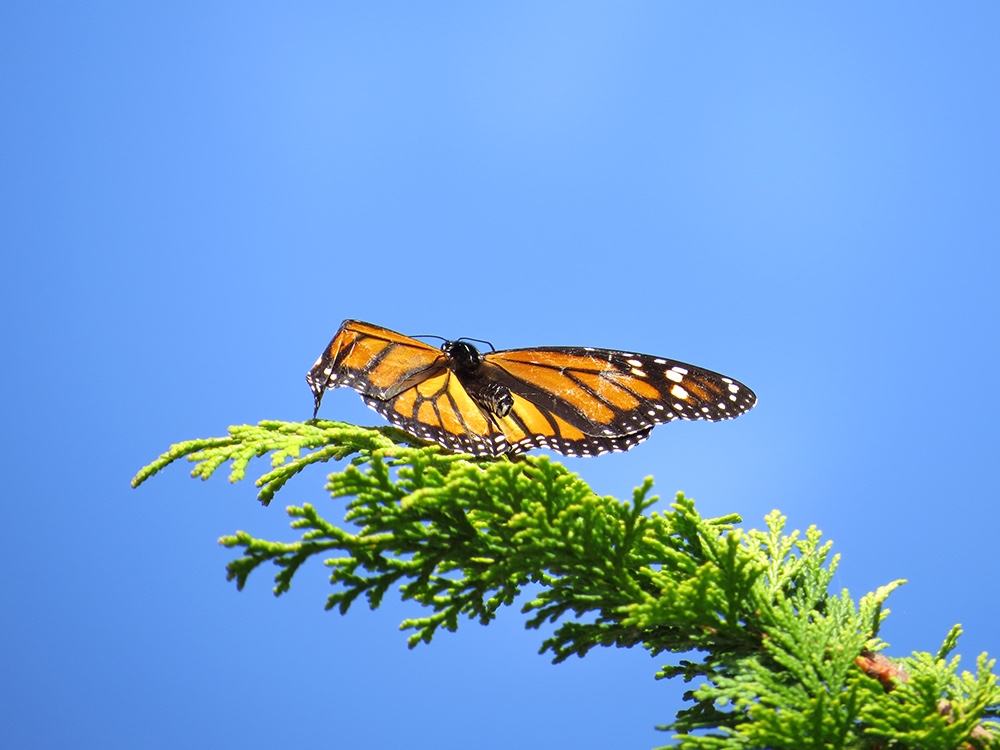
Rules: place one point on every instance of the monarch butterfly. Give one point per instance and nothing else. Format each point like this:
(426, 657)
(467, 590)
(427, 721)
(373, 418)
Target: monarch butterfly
(575, 400)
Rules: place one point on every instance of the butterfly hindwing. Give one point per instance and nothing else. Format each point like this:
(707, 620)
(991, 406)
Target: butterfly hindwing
(529, 425)
(440, 410)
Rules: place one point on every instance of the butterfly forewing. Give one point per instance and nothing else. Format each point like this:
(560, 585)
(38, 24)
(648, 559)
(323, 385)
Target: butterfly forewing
(374, 361)
(610, 393)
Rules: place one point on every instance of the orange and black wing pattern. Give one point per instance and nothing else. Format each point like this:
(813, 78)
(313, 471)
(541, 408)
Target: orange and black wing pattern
(410, 383)
(374, 361)
(609, 399)
(574, 400)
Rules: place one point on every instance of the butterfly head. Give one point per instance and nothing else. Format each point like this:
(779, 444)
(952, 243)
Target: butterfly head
(466, 357)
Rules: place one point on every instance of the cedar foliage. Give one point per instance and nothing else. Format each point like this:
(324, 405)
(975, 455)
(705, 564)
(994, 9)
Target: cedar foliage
(774, 657)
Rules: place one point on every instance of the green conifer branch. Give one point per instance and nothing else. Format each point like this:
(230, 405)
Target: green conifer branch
(779, 661)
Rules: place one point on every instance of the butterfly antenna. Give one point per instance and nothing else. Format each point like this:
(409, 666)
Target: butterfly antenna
(464, 338)
(480, 341)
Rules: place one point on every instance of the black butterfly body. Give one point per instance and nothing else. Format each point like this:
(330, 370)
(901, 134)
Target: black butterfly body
(578, 401)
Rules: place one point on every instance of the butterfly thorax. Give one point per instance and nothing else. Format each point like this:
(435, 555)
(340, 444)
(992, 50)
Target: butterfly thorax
(467, 362)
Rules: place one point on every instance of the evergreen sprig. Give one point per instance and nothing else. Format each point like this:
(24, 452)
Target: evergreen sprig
(780, 660)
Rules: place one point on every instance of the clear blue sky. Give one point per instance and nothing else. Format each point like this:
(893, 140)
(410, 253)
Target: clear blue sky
(194, 195)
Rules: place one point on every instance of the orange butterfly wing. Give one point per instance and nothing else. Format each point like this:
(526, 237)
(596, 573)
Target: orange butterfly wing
(610, 400)
(408, 382)
(530, 425)
(574, 400)
(374, 361)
